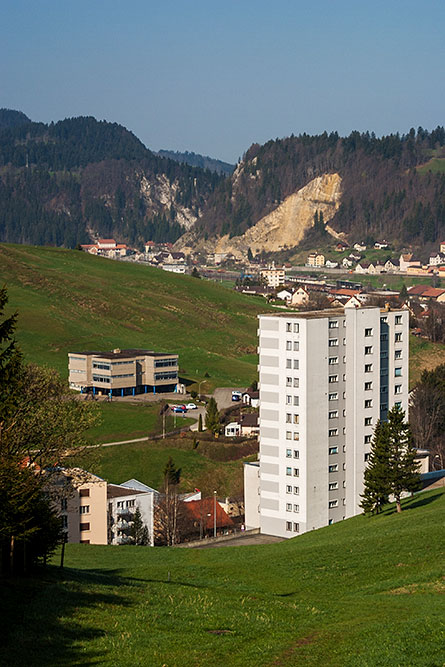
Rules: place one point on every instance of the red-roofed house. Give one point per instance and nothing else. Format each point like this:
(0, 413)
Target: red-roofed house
(106, 244)
(200, 519)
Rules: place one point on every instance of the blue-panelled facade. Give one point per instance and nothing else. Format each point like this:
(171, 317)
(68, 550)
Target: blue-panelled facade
(123, 372)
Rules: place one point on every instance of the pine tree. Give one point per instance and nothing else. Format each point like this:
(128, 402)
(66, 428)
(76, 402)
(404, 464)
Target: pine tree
(392, 468)
(212, 416)
(404, 475)
(200, 423)
(377, 474)
(139, 531)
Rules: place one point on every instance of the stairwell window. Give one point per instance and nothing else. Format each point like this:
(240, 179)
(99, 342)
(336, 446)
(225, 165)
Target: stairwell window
(288, 363)
(296, 327)
(333, 450)
(296, 490)
(296, 419)
(296, 346)
(368, 332)
(296, 508)
(288, 507)
(333, 432)
(296, 382)
(368, 403)
(333, 486)
(398, 389)
(288, 488)
(368, 421)
(333, 360)
(398, 337)
(398, 319)
(398, 372)
(333, 396)
(288, 345)
(288, 453)
(368, 349)
(333, 467)
(288, 435)
(296, 400)
(288, 471)
(333, 503)
(333, 342)
(397, 354)
(288, 382)
(333, 414)
(368, 368)
(333, 324)
(367, 439)
(288, 326)
(296, 472)
(296, 364)
(296, 454)
(368, 386)
(333, 378)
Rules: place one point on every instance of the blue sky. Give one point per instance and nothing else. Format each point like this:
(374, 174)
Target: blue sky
(214, 77)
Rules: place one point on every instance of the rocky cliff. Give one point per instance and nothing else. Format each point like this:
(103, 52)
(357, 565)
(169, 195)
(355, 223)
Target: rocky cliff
(284, 227)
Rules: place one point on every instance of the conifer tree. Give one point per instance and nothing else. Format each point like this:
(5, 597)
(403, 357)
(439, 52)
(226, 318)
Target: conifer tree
(139, 531)
(212, 416)
(404, 475)
(377, 474)
(200, 423)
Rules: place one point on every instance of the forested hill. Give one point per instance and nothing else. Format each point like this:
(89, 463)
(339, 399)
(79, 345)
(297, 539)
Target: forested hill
(62, 183)
(12, 118)
(196, 160)
(392, 187)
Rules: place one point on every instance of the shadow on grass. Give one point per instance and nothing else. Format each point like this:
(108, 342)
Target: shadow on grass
(419, 500)
(39, 617)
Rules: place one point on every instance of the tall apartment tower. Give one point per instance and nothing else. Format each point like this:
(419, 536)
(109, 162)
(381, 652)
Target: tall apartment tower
(326, 377)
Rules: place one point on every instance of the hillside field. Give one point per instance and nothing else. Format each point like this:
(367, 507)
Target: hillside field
(71, 301)
(367, 592)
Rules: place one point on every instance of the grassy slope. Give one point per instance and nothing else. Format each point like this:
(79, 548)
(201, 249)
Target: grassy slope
(68, 301)
(125, 421)
(361, 593)
(145, 461)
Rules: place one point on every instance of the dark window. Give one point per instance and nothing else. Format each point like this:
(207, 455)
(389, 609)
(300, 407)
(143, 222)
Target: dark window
(84, 493)
(84, 526)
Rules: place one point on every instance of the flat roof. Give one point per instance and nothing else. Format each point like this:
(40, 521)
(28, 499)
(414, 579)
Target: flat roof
(125, 354)
(326, 312)
(307, 314)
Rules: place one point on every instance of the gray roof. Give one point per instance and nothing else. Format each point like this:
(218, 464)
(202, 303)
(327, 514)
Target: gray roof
(139, 486)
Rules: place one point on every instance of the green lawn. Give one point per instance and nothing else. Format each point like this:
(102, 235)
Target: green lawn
(125, 421)
(71, 301)
(362, 593)
(145, 461)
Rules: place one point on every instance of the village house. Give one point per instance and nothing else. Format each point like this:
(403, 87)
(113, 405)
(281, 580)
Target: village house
(251, 397)
(427, 293)
(437, 259)
(272, 276)
(392, 266)
(341, 246)
(360, 247)
(362, 267)
(406, 260)
(347, 263)
(300, 297)
(330, 264)
(315, 259)
(284, 295)
(123, 500)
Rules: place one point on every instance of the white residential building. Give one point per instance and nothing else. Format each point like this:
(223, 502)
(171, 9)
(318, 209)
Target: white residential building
(326, 377)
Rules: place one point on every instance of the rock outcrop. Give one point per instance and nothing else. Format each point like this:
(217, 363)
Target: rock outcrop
(285, 226)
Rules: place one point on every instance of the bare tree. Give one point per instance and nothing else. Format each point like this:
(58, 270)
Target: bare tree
(427, 417)
(169, 508)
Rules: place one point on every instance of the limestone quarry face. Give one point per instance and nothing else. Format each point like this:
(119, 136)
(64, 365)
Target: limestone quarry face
(285, 226)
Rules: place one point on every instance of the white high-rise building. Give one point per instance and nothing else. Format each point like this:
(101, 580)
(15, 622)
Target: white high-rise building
(326, 377)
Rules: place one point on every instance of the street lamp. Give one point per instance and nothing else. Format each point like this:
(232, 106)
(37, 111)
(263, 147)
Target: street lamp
(214, 514)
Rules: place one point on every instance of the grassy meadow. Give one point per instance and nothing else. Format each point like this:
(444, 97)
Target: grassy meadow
(126, 421)
(71, 301)
(367, 592)
(208, 466)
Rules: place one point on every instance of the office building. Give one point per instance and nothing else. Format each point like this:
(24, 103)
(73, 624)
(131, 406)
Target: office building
(123, 372)
(326, 377)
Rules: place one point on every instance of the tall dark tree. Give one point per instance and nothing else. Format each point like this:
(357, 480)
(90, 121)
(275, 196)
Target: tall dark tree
(377, 474)
(139, 531)
(404, 475)
(212, 416)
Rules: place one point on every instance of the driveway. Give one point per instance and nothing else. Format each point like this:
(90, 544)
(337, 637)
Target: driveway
(223, 396)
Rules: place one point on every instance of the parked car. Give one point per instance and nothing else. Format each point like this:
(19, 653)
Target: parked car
(179, 408)
(236, 396)
(191, 406)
